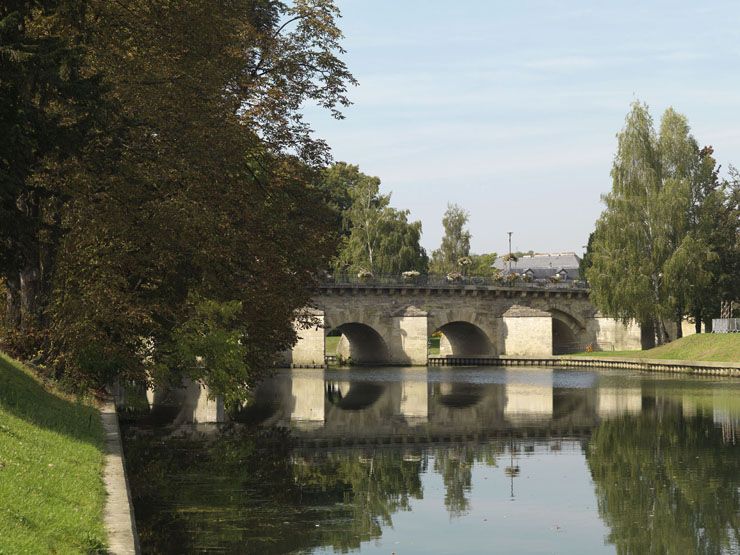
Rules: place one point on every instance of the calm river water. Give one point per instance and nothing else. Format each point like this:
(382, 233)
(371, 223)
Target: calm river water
(456, 460)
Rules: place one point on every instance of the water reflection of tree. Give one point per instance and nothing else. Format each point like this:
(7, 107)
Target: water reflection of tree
(375, 486)
(253, 494)
(666, 484)
(454, 463)
(235, 494)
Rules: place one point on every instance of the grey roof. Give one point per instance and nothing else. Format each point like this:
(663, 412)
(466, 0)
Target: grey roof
(544, 265)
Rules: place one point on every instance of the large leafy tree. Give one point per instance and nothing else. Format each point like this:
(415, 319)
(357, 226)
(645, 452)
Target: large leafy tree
(190, 232)
(381, 240)
(455, 243)
(48, 107)
(482, 265)
(648, 256)
(336, 183)
(708, 260)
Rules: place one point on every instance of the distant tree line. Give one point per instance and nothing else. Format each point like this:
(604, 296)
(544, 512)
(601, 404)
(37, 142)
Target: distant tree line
(377, 239)
(665, 248)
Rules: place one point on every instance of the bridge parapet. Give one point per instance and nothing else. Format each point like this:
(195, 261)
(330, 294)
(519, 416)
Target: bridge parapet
(444, 282)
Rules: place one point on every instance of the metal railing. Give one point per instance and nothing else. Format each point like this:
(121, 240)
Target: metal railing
(446, 282)
(726, 325)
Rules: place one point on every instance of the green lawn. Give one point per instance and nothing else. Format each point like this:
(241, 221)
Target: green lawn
(331, 344)
(717, 347)
(51, 462)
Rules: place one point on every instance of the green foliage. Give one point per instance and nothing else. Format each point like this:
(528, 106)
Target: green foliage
(336, 183)
(48, 110)
(455, 243)
(381, 240)
(482, 265)
(209, 346)
(587, 260)
(715, 229)
(166, 177)
(648, 258)
(51, 458)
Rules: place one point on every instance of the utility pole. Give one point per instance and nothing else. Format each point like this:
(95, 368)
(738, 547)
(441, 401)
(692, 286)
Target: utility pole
(510, 232)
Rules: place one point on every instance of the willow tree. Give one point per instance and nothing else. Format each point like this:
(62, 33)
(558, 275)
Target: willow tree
(455, 243)
(381, 239)
(645, 258)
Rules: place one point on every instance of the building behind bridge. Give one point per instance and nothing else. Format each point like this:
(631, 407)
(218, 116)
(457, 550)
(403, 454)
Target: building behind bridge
(563, 266)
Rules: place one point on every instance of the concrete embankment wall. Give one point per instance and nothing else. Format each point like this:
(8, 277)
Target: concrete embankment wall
(119, 510)
(656, 365)
(728, 369)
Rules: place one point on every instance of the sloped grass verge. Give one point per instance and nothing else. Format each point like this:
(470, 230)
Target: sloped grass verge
(51, 461)
(713, 347)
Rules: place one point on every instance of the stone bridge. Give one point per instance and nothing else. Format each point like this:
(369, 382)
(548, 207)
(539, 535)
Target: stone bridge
(392, 324)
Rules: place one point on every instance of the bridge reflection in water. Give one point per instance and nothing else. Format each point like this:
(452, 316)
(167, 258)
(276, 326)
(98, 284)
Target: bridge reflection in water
(423, 460)
(388, 406)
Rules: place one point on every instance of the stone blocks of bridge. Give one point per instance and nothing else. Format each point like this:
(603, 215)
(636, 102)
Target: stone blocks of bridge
(192, 403)
(310, 348)
(527, 332)
(610, 334)
(409, 333)
(391, 325)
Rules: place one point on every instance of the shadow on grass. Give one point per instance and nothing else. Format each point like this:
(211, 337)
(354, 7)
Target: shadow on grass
(24, 397)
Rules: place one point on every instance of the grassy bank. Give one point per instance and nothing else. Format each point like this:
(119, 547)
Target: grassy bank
(51, 461)
(716, 347)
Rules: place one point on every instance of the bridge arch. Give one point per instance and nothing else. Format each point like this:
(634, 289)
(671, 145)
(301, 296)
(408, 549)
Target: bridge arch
(458, 395)
(353, 396)
(568, 333)
(464, 339)
(361, 344)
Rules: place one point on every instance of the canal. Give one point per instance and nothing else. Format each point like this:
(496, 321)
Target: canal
(449, 460)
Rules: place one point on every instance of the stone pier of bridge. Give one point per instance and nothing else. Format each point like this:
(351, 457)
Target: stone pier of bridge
(391, 325)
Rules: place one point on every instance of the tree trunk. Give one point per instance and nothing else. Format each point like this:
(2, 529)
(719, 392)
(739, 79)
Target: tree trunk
(13, 302)
(661, 332)
(679, 326)
(29, 296)
(697, 320)
(647, 334)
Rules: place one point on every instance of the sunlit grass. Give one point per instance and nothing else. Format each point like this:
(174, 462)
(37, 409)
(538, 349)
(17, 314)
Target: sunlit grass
(716, 347)
(51, 461)
(433, 346)
(331, 344)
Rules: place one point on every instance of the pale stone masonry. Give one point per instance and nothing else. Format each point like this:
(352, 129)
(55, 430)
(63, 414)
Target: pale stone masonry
(392, 324)
(527, 331)
(119, 512)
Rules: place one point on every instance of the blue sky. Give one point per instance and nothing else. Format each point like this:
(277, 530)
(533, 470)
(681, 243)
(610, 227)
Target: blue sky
(510, 109)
